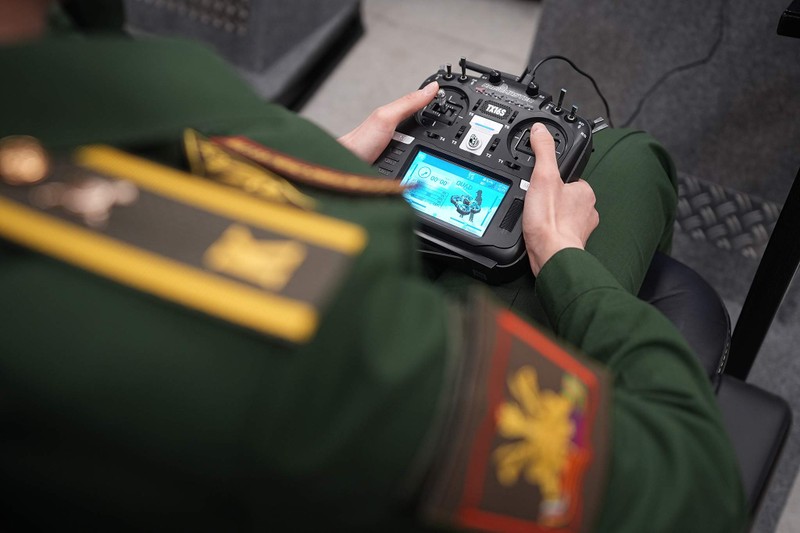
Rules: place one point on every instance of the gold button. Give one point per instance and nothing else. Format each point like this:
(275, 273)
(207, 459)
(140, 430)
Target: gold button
(23, 160)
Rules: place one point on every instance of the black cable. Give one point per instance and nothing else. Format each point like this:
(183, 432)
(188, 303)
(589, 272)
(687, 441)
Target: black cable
(697, 63)
(579, 71)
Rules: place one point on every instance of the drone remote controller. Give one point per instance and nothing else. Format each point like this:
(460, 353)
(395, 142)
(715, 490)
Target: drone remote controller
(467, 159)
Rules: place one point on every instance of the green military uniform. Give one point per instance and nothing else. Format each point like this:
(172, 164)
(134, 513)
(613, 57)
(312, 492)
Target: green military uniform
(123, 410)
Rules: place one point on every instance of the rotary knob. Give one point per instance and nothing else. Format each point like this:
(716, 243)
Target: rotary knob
(495, 78)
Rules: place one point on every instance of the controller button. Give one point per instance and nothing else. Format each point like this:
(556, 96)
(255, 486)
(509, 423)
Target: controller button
(385, 171)
(390, 161)
(512, 165)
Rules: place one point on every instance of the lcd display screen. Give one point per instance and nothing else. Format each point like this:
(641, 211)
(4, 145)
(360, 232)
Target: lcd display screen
(452, 193)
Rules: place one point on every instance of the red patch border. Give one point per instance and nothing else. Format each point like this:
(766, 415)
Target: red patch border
(509, 326)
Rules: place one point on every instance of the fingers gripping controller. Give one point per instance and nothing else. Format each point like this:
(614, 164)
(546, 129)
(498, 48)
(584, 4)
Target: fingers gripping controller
(469, 155)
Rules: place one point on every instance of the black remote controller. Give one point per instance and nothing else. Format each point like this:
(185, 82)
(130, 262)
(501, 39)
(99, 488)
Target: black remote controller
(468, 159)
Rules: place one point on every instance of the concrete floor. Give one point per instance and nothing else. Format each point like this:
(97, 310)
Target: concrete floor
(790, 520)
(406, 41)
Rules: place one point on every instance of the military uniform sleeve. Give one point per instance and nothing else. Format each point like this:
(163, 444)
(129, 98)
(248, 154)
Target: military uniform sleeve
(129, 409)
(672, 467)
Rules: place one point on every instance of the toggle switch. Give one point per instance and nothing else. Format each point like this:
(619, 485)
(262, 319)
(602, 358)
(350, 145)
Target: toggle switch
(573, 114)
(557, 110)
(449, 75)
(463, 78)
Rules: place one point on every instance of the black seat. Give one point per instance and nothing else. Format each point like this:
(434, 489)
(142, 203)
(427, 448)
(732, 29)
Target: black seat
(757, 421)
(693, 306)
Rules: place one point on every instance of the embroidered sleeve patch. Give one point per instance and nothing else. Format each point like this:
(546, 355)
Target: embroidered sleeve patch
(525, 449)
(307, 173)
(267, 267)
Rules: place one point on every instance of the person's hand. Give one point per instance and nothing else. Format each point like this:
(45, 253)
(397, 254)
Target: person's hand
(557, 215)
(372, 136)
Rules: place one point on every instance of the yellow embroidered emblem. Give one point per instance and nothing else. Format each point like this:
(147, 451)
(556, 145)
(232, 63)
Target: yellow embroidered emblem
(269, 264)
(543, 452)
(212, 161)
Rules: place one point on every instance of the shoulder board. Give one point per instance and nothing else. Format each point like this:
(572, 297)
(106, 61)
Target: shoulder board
(266, 267)
(307, 173)
(214, 162)
(525, 447)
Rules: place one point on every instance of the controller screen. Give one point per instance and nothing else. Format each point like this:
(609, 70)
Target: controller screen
(452, 193)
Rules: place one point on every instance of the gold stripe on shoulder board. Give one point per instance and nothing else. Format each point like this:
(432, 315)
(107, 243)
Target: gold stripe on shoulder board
(304, 172)
(318, 229)
(212, 161)
(267, 267)
(261, 311)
